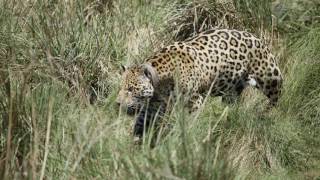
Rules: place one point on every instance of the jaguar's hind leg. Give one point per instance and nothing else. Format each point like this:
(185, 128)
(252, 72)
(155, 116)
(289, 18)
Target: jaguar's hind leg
(239, 87)
(271, 85)
(272, 89)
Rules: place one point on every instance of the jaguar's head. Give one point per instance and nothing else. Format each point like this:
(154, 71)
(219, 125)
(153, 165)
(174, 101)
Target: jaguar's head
(138, 85)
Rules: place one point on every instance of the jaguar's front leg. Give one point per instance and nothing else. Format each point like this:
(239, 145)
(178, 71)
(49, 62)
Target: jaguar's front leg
(146, 117)
(195, 102)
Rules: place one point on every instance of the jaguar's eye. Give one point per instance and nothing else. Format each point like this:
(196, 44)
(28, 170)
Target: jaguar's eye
(130, 89)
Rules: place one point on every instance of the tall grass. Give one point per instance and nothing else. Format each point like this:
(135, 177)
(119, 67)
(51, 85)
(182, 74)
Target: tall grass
(58, 74)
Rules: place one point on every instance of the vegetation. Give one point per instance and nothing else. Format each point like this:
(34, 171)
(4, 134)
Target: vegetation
(59, 77)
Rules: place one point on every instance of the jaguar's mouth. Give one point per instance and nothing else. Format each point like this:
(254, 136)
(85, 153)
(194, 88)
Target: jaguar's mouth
(130, 110)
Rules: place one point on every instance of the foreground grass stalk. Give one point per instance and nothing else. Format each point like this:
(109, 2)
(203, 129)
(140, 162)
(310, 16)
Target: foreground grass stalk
(46, 152)
(212, 129)
(35, 141)
(9, 136)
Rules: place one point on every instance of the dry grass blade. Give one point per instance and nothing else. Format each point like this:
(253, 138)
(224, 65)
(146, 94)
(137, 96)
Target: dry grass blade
(211, 129)
(47, 141)
(9, 135)
(35, 141)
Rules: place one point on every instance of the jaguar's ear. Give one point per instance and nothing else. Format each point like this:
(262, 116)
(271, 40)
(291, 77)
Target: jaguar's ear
(150, 73)
(122, 69)
(147, 73)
